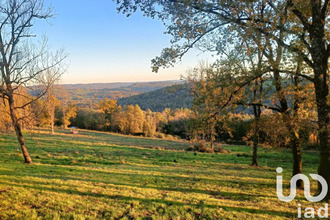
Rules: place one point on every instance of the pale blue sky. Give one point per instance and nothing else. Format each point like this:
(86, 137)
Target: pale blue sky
(105, 46)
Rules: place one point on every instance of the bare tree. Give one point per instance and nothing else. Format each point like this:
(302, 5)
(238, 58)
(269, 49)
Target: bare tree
(47, 84)
(65, 105)
(52, 101)
(22, 64)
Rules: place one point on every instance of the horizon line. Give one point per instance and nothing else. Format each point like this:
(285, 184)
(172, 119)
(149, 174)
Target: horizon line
(120, 82)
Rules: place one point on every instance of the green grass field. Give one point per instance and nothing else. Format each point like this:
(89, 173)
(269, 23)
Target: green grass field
(96, 175)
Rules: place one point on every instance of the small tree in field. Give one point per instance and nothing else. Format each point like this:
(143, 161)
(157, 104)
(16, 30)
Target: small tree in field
(21, 64)
(69, 114)
(51, 100)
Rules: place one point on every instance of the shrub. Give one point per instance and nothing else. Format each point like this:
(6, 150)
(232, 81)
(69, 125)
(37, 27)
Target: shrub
(203, 148)
(171, 137)
(160, 135)
(200, 147)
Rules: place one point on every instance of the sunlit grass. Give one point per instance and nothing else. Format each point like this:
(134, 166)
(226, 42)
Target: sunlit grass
(105, 176)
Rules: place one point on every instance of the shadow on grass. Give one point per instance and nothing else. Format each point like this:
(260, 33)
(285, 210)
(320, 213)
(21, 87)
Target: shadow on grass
(131, 176)
(163, 201)
(159, 179)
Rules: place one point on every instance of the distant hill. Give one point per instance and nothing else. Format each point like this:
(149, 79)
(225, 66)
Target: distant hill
(175, 96)
(96, 86)
(123, 86)
(89, 95)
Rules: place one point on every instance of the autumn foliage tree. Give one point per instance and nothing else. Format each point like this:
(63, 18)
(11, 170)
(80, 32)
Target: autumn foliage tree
(111, 111)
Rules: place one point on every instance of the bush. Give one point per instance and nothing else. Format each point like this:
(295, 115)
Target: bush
(200, 147)
(171, 137)
(203, 148)
(160, 135)
(219, 149)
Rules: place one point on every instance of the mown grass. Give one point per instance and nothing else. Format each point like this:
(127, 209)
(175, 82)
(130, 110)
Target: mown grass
(96, 175)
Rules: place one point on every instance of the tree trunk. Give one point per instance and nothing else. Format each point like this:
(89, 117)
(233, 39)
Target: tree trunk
(322, 92)
(324, 167)
(52, 123)
(255, 148)
(289, 122)
(65, 126)
(297, 160)
(51, 99)
(295, 139)
(257, 114)
(18, 130)
(295, 146)
(320, 55)
(212, 145)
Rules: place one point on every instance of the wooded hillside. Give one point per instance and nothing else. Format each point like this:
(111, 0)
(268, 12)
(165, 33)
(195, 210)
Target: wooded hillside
(174, 97)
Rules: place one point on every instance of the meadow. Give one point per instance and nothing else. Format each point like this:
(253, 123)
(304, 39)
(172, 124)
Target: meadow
(97, 175)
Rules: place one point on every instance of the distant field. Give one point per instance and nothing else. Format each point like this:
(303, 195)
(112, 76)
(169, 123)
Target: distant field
(104, 176)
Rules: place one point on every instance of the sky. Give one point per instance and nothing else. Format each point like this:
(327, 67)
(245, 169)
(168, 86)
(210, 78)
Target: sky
(105, 46)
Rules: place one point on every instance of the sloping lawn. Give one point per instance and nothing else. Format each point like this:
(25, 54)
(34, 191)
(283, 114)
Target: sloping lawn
(96, 175)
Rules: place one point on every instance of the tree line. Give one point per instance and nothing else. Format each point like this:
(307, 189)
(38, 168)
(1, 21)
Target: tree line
(194, 124)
